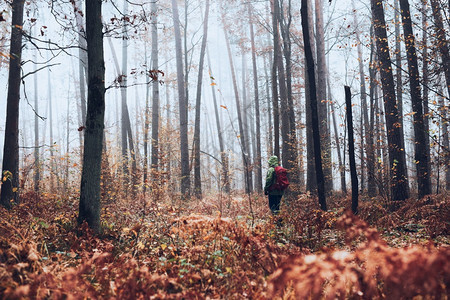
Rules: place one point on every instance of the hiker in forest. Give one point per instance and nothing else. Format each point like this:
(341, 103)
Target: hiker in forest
(276, 184)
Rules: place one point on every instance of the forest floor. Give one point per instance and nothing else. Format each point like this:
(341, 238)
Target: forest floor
(219, 248)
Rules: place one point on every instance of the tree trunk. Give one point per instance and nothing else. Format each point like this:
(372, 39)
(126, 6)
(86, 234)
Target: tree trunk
(155, 93)
(53, 165)
(421, 158)
(186, 51)
(445, 142)
(146, 127)
(184, 146)
(313, 101)
(10, 167)
(197, 175)
(82, 57)
(126, 123)
(338, 148)
(397, 163)
(245, 120)
(351, 149)
(311, 183)
(89, 209)
(244, 150)
(399, 86)
(425, 82)
(134, 176)
(371, 146)
(223, 154)
(370, 163)
(257, 159)
(66, 181)
(37, 163)
(322, 98)
(269, 108)
(276, 113)
(441, 41)
(285, 27)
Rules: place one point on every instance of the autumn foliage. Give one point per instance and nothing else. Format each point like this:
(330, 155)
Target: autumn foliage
(166, 251)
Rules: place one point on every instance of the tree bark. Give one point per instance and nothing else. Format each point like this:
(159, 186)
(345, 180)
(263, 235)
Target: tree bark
(82, 57)
(322, 98)
(311, 183)
(53, 165)
(155, 92)
(89, 209)
(338, 149)
(278, 61)
(397, 163)
(10, 167)
(445, 142)
(421, 158)
(425, 82)
(123, 88)
(370, 163)
(257, 159)
(269, 107)
(246, 107)
(442, 41)
(399, 86)
(146, 129)
(197, 174)
(184, 146)
(186, 51)
(372, 89)
(37, 163)
(313, 101)
(351, 149)
(275, 105)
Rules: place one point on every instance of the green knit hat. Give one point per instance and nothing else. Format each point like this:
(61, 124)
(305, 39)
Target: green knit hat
(273, 161)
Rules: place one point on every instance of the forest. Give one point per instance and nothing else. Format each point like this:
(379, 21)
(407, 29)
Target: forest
(225, 149)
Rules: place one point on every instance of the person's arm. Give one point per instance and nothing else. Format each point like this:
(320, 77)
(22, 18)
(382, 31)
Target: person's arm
(269, 179)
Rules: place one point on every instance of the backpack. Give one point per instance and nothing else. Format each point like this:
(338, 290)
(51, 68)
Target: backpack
(281, 180)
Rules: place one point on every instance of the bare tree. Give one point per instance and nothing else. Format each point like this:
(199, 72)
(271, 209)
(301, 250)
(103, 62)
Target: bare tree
(351, 149)
(258, 184)
(275, 105)
(397, 163)
(421, 152)
(223, 154)
(313, 102)
(243, 145)
(123, 89)
(37, 162)
(285, 23)
(322, 97)
(311, 183)
(82, 56)
(426, 79)
(245, 121)
(155, 90)
(197, 174)
(10, 167)
(370, 162)
(399, 78)
(89, 209)
(184, 147)
(441, 41)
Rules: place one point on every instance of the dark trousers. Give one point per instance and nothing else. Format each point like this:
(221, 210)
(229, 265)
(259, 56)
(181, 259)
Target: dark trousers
(274, 203)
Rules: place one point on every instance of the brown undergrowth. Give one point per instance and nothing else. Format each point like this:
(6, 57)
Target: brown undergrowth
(209, 249)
